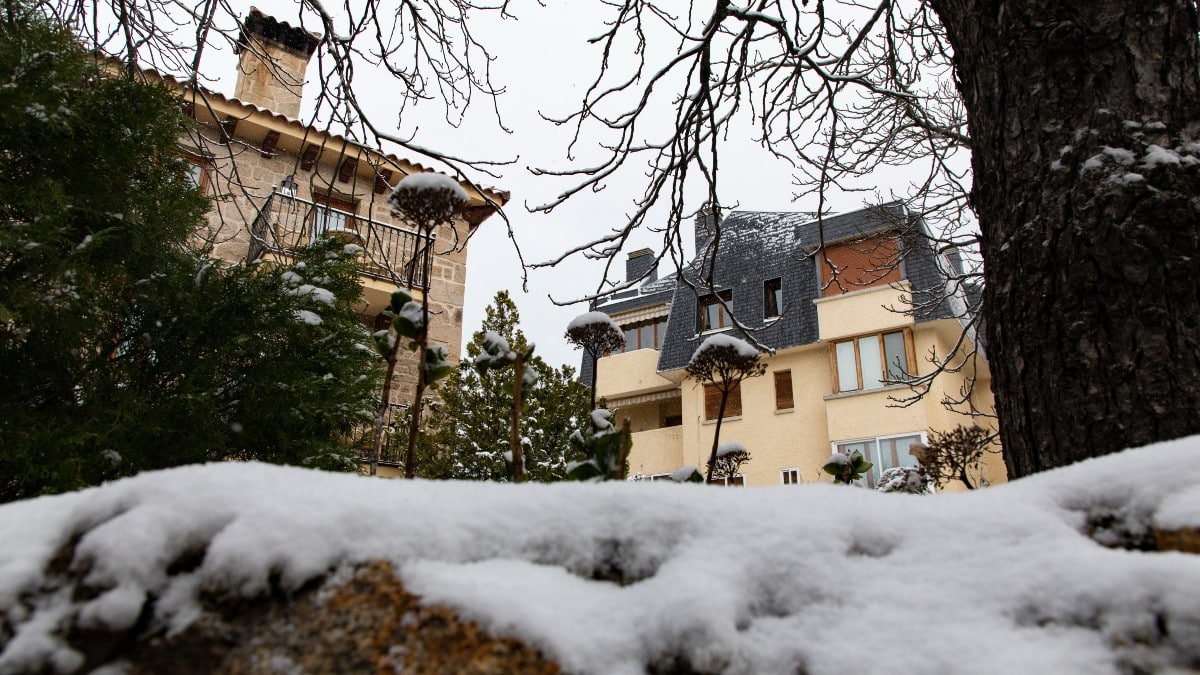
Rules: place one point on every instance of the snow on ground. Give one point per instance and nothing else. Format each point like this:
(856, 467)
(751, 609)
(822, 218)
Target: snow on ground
(812, 578)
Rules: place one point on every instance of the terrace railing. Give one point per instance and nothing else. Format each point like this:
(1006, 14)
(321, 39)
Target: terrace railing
(287, 223)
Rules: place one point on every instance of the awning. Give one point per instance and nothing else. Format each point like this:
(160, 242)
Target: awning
(644, 398)
(645, 314)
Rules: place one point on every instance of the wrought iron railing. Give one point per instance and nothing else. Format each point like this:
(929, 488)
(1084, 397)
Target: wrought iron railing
(286, 224)
(395, 434)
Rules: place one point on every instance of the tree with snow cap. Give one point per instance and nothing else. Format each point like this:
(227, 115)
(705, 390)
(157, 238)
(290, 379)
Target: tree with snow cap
(597, 335)
(497, 355)
(426, 200)
(729, 460)
(724, 361)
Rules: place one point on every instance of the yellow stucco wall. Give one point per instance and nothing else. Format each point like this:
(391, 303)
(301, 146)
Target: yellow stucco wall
(629, 374)
(802, 437)
(866, 311)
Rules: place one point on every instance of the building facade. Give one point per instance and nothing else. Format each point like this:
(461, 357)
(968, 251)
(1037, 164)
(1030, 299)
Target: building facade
(871, 337)
(278, 183)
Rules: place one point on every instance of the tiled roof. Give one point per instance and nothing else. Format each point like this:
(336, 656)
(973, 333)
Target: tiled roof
(501, 196)
(756, 246)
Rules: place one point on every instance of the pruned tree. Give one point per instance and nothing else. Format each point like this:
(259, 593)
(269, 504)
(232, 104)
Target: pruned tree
(723, 361)
(426, 200)
(955, 455)
(728, 461)
(597, 335)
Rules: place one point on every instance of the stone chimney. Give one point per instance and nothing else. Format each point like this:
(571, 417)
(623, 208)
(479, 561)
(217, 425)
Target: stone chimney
(639, 261)
(706, 225)
(272, 58)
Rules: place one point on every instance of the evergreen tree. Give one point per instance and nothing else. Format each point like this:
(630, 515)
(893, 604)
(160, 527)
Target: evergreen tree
(469, 427)
(121, 348)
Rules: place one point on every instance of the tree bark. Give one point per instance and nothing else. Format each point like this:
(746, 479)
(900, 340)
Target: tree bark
(1092, 253)
(712, 456)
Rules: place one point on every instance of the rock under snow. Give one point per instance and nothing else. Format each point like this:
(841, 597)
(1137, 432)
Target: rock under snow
(245, 566)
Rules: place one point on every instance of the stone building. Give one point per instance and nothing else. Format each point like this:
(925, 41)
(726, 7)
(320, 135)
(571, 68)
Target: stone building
(277, 183)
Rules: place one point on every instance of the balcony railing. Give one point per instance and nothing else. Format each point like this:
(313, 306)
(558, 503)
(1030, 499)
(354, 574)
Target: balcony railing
(395, 434)
(286, 224)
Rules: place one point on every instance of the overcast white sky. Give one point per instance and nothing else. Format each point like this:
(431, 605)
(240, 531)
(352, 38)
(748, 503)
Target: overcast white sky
(544, 62)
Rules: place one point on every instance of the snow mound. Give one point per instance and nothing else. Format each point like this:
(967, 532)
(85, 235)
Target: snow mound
(589, 318)
(616, 577)
(431, 181)
(722, 340)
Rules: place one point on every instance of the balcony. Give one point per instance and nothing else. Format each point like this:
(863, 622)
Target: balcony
(395, 434)
(629, 374)
(656, 451)
(286, 224)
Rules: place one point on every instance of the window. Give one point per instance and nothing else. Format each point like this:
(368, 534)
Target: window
(672, 421)
(783, 390)
(332, 215)
(645, 334)
(733, 481)
(197, 173)
(712, 402)
(871, 361)
(713, 314)
(874, 261)
(772, 298)
(790, 476)
(884, 452)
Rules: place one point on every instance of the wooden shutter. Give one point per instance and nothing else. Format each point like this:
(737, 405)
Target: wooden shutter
(733, 407)
(712, 401)
(783, 390)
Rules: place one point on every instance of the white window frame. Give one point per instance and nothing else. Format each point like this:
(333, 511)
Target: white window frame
(724, 482)
(793, 470)
(876, 471)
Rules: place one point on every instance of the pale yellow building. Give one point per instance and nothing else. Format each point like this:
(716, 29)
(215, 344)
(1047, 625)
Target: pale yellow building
(277, 183)
(852, 349)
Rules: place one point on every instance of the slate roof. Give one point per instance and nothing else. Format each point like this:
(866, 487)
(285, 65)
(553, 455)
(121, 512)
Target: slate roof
(755, 246)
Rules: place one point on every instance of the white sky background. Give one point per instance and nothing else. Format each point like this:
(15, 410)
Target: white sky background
(544, 63)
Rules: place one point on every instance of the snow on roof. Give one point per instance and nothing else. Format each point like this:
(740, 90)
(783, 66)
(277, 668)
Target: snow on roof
(588, 318)
(743, 348)
(811, 578)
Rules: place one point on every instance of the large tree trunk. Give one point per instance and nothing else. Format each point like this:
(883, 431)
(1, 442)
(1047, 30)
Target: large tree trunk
(1092, 256)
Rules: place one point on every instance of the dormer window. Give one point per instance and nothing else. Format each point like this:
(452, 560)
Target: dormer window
(865, 263)
(772, 298)
(715, 311)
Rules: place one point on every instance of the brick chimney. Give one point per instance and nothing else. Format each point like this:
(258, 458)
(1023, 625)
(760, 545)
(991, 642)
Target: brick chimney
(639, 261)
(272, 58)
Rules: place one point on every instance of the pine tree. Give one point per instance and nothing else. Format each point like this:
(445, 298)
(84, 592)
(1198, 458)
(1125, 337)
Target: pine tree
(469, 426)
(121, 348)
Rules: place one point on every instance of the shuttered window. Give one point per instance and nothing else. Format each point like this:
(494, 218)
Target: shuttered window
(783, 390)
(712, 402)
